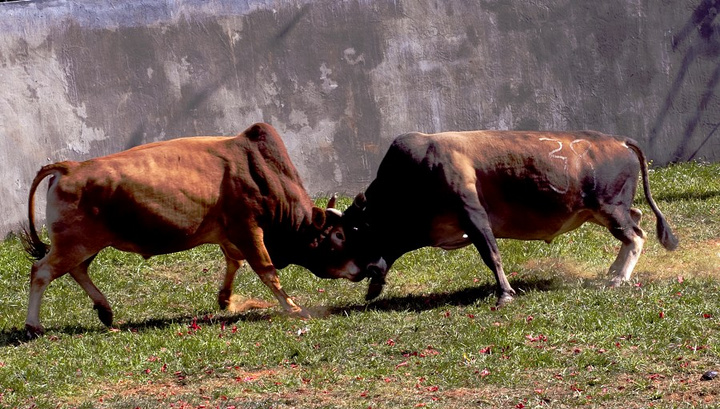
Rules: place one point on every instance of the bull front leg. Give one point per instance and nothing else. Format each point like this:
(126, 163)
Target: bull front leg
(270, 278)
(259, 259)
(477, 226)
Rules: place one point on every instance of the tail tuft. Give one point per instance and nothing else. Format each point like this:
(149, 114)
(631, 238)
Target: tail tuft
(35, 249)
(666, 236)
(664, 232)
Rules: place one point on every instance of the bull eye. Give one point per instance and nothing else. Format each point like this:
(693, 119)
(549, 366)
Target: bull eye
(339, 236)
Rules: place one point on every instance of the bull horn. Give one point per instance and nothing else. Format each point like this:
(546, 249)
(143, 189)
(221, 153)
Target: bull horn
(360, 201)
(331, 202)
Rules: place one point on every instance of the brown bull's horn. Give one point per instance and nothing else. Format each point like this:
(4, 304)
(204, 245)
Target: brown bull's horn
(331, 202)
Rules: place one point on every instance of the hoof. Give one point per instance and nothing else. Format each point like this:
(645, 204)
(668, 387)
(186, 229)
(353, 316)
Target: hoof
(34, 331)
(105, 314)
(223, 302)
(224, 298)
(504, 300)
(301, 313)
(615, 282)
(374, 291)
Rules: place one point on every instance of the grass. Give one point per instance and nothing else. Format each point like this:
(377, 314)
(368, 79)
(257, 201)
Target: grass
(433, 339)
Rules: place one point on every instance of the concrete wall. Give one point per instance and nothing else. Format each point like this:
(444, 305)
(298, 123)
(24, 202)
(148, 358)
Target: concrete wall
(340, 79)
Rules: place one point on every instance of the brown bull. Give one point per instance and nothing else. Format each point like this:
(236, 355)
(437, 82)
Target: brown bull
(242, 193)
(462, 188)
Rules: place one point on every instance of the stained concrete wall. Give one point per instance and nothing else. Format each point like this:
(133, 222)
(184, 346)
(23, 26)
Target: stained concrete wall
(340, 79)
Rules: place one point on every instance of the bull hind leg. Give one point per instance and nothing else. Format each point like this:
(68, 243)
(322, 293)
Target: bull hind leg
(100, 303)
(43, 272)
(626, 229)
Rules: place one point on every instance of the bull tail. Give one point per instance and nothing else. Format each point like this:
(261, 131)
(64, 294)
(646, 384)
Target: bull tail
(35, 247)
(664, 232)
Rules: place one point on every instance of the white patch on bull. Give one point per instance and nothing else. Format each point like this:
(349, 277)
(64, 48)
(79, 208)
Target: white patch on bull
(582, 151)
(564, 160)
(580, 147)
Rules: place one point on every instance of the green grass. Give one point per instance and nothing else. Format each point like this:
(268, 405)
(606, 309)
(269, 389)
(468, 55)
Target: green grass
(433, 339)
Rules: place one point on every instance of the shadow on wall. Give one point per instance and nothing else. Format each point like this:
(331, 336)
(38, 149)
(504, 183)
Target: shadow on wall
(200, 97)
(706, 45)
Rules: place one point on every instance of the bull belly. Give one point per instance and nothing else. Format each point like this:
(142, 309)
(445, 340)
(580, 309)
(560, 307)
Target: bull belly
(531, 226)
(164, 238)
(446, 232)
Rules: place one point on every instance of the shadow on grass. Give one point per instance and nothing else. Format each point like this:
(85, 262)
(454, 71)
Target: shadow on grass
(412, 302)
(678, 196)
(457, 298)
(16, 336)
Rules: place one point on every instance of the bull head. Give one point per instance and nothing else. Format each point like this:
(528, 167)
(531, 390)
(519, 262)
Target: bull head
(343, 239)
(326, 222)
(355, 220)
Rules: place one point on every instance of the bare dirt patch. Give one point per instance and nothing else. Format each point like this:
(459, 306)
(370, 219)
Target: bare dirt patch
(238, 387)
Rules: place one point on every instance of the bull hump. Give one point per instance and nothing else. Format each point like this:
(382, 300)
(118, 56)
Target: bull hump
(258, 131)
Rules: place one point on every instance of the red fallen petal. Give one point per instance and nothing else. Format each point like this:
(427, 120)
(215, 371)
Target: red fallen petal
(432, 388)
(661, 314)
(401, 364)
(680, 279)
(484, 373)
(707, 316)
(390, 342)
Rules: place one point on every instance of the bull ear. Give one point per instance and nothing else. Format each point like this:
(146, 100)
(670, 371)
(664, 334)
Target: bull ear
(331, 202)
(360, 201)
(318, 218)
